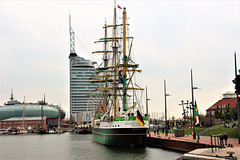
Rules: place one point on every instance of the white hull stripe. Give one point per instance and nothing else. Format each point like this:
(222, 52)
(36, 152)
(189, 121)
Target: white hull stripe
(120, 134)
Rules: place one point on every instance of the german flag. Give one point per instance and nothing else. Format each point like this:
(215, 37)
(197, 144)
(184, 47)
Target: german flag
(139, 118)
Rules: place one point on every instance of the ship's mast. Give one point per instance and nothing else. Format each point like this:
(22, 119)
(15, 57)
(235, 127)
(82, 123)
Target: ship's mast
(116, 70)
(105, 65)
(115, 60)
(42, 114)
(124, 60)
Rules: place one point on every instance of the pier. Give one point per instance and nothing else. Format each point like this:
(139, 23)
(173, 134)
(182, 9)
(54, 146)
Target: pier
(196, 148)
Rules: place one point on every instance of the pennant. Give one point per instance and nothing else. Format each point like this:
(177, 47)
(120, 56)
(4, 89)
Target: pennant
(139, 118)
(119, 7)
(196, 114)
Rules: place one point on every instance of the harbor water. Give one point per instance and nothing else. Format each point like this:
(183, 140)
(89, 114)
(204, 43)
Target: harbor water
(71, 146)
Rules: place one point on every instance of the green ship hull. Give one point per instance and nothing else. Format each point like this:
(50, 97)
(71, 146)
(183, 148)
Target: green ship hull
(120, 137)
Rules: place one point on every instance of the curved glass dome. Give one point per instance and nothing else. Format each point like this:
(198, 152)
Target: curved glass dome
(31, 110)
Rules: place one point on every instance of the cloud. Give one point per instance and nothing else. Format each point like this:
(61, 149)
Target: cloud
(171, 38)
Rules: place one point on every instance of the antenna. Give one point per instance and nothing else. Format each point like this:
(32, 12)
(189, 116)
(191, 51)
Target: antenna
(44, 99)
(72, 37)
(11, 98)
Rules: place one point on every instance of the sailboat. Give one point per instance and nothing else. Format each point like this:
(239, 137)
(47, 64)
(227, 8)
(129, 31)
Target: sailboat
(119, 118)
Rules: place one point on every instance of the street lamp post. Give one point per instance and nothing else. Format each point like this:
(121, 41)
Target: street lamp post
(147, 102)
(210, 119)
(237, 93)
(189, 115)
(165, 97)
(184, 110)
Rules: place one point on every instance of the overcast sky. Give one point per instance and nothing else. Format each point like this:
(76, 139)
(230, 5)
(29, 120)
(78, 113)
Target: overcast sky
(170, 39)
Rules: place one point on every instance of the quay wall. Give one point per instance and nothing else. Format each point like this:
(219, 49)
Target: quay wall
(183, 146)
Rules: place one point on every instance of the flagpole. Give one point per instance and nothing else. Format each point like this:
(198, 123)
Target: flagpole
(193, 105)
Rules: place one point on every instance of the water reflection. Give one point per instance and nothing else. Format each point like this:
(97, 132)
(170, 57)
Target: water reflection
(71, 146)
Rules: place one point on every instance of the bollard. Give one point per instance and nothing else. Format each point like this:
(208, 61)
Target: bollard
(211, 143)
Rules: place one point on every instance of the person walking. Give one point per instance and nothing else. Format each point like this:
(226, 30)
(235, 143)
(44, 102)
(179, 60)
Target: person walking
(221, 141)
(225, 138)
(166, 131)
(157, 132)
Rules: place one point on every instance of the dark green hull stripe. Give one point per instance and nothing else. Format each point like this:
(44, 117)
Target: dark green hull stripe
(121, 137)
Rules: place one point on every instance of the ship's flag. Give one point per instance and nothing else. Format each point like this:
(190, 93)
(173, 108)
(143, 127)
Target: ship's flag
(119, 7)
(139, 118)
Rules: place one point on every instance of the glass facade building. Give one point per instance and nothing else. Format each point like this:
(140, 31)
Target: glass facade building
(80, 88)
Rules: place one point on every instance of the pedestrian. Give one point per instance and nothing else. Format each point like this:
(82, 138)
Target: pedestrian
(221, 140)
(234, 125)
(158, 132)
(225, 138)
(163, 130)
(154, 131)
(166, 131)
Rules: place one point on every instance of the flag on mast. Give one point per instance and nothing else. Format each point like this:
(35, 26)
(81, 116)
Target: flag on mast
(139, 118)
(196, 114)
(119, 7)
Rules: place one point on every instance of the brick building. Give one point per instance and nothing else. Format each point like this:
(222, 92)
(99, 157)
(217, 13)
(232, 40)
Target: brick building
(229, 99)
(30, 122)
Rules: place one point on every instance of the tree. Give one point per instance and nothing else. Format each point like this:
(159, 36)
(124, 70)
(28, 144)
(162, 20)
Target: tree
(217, 113)
(234, 114)
(221, 115)
(227, 113)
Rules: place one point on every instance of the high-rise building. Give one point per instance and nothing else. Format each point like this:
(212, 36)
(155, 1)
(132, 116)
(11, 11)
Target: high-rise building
(80, 88)
(80, 71)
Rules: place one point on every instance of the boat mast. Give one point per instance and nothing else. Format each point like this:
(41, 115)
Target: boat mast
(115, 60)
(124, 60)
(42, 115)
(59, 117)
(24, 114)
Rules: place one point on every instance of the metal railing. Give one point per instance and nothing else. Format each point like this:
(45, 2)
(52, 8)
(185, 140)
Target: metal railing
(216, 142)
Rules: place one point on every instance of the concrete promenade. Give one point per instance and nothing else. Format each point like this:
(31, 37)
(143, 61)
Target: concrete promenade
(203, 139)
(204, 153)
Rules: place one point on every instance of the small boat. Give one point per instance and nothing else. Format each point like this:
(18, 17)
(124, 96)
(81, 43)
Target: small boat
(52, 132)
(42, 131)
(23, 131)
(4, 131)
(70, 130)
(84, 129)
(59, 131)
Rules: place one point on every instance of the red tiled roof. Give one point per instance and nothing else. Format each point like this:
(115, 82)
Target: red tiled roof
(225, 101)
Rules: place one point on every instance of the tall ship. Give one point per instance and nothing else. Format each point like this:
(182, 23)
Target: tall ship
(119, 118)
